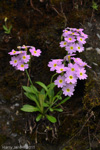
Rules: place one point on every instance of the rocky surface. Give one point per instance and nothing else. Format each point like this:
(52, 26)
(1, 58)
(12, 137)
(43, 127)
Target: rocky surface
(40, 24)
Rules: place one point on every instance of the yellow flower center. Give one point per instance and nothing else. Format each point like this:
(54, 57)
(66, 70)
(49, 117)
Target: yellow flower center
(61, 69)
(68, 90)
(71, 47)
(66, 31)
(81, 73)
(55, 65)
(15, 61)
(72, 69)
(35, 52)
(22, 65)
(81, 39)
(73, 33)
(70, 77)
(65, 43)
(78, 47)
(70, 39)
(60, 81)
(68, 57)
(24, 57)
(14, 52)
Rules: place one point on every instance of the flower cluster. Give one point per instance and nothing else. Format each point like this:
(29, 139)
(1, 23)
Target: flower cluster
(70, 69)
(20, 58)
(73, 40)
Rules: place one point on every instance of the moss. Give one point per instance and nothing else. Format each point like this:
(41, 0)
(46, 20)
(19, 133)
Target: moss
(92, 92)
(2, 139)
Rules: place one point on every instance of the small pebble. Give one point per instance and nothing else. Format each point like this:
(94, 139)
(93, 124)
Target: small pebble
(16, 105)
(94, 64)
(89, 24)
(98, 35)
(89, 48)
(98, 50)
(14, 134)
(7, 123)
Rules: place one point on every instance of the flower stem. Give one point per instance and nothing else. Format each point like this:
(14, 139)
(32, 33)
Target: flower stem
(28, 77)
(53, 77)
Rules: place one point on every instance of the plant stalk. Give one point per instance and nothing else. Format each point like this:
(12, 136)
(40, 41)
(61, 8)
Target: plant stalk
(28, 77)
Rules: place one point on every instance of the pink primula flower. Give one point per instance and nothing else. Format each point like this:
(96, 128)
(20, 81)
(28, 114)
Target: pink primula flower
(70, 77)
(72, 68)
(66, 33)
(85, 36)
(63, 44)
(60, 68)
(13, 52)
(25, 58)
(70, 39)
(74, 33)
(79, 47)
(35, 52)
(68, 90)
(81, 74)
(21, 66)
(81, 40)
(80, 62)
(79, 30)
(71, 48)
(60, 81)
(14, 61)
(54, 63)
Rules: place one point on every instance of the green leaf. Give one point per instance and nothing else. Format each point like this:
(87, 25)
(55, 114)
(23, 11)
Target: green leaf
(5, 28)
(50, 92)
(27, 89)
(42, 85)
(57, 95)
(51, 85)
(51, 118)
(58, 109)
(34, 89)
(45, 105)
(94, 5)
(10, 27)
(63, 101)
(38, 117)
(7, 32)
(41, 97)
(29, 108)
(32, 97)
(61, 37)
(31, 89)
(42, 91)
(51, 109)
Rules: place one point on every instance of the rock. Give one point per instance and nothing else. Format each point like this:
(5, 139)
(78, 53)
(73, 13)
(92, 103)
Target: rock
(98, 35)
(89, 48)
(98, 50)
